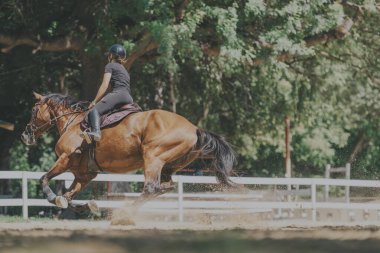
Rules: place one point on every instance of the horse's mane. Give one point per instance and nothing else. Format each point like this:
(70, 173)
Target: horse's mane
(65, 101)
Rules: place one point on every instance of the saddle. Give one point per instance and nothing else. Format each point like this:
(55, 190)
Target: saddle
(113, 117)
(108, 120)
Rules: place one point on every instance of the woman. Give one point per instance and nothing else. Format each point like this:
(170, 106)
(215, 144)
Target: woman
(108, 98)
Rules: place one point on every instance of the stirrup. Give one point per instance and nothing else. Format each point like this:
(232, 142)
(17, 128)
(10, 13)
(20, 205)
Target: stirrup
(86, 136)
(94, 136)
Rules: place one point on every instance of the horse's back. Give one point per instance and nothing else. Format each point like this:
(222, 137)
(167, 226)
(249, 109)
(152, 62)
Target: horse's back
(161, 122)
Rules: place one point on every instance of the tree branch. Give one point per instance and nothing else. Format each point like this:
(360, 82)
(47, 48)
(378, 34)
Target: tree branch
(70, 43)
(145, 45)
(339, 32)
(67, 43)
(358, 8)
(206, 110)
(359, 147)
(181, 10)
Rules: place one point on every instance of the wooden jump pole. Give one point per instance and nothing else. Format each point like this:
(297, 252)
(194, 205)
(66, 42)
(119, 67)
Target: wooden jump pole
(6, 125)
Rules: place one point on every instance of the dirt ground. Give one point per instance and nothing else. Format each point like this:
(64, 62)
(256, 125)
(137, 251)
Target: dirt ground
(147, 236)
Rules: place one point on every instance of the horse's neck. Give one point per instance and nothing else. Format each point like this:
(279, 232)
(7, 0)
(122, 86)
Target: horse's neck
(67, 118)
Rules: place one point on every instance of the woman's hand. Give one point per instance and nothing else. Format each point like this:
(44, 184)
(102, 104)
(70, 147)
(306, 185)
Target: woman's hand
(91, 105)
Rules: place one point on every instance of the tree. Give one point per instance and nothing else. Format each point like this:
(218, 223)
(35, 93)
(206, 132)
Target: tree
(235, 67)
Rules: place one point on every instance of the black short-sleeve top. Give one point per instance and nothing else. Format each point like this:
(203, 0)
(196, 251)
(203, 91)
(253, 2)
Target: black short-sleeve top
(119, 76)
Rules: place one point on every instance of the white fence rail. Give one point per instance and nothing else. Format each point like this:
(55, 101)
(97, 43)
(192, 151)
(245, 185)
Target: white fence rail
(243, 202)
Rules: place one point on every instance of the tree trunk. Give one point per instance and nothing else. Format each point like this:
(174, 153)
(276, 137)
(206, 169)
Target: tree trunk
(173, 99)
(359, 147)
(93, 70)
(206, 110)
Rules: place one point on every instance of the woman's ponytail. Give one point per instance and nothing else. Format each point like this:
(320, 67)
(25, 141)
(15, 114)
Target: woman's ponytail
(118, 59)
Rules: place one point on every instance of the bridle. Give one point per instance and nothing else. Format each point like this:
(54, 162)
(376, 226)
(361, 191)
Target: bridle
(31, 127)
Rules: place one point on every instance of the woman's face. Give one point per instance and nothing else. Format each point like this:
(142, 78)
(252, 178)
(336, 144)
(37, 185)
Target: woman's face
(109, 57)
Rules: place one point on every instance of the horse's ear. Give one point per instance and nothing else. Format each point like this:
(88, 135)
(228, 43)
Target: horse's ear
(38, 96)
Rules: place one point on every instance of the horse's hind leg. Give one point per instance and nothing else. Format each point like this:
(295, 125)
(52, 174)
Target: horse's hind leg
(152, 173)
(166, 183)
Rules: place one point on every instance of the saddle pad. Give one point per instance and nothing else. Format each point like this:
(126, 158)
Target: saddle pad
(113, 117)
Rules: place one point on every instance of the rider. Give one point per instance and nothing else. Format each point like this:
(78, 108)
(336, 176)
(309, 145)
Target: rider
(108, 98)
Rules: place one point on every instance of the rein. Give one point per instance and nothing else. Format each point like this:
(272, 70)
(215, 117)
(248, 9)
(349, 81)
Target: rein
(53, 121)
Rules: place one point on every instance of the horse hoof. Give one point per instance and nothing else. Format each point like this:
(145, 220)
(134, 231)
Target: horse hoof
(167, 186)
(61, 202)
(93, 207)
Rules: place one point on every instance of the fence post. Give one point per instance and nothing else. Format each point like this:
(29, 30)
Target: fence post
(180, 199)
(348, 176)
(327, 187)
(313, 201)
(24, 196)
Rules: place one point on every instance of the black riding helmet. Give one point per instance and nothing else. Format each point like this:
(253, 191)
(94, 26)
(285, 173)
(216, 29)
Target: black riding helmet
(117, 50)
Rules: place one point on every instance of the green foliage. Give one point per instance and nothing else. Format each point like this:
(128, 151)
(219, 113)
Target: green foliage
(234, 67)
(24, 158)
(41, 158)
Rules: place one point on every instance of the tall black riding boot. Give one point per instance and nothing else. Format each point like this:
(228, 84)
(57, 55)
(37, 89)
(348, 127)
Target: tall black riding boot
(94, 120)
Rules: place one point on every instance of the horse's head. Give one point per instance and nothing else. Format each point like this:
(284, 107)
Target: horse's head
(39, 122)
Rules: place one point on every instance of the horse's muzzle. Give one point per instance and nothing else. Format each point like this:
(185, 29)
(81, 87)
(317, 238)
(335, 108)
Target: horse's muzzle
(26, 139)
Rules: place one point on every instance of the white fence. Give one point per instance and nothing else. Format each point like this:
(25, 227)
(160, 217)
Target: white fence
(185, 201)
(340, 170)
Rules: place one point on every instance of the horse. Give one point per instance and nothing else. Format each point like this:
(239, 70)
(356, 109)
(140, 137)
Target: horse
(158, 141)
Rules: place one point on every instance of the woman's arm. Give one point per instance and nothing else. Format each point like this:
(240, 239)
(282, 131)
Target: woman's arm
(102, 89)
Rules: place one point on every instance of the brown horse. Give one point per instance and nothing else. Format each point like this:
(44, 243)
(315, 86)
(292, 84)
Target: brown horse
(158, 141)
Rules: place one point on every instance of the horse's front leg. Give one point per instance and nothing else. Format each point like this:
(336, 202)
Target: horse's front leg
(60, 166)
(78, 184)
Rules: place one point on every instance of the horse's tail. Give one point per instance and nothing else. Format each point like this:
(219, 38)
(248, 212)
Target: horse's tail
(219, 151)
